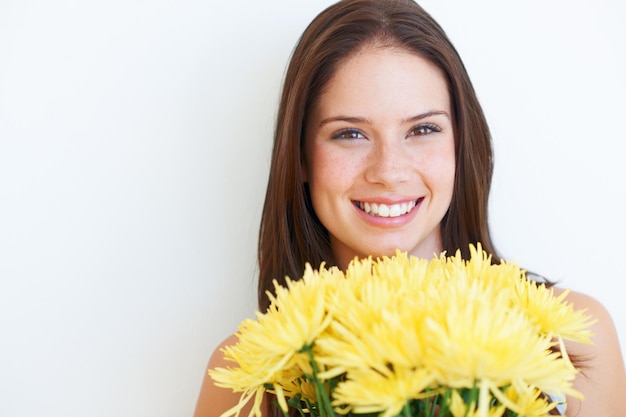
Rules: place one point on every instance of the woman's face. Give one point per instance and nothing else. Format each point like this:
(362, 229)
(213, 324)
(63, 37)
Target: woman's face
(379, 155)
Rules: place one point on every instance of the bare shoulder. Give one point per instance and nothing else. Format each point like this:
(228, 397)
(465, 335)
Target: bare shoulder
(605, 336)
(213, 400)
(585, 301)
(603, 380)
(217, 357)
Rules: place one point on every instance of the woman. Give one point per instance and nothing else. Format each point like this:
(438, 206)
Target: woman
(381, 144)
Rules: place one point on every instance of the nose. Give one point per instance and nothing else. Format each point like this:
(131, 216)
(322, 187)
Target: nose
(388, 164)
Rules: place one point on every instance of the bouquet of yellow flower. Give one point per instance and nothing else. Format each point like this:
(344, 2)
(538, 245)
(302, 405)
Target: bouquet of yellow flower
(404, 336)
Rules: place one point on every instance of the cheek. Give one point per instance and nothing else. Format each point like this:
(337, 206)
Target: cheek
(446, 166)
(448, 173)
(440, 168)
(330, 168)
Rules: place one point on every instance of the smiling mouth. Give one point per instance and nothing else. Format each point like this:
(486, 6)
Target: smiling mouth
(387, 210)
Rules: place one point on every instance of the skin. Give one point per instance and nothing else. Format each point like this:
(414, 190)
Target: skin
(603, 382)
(381, 132)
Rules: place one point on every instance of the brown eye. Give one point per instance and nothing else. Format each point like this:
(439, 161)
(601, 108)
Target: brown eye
(425, 129)
(348, 134)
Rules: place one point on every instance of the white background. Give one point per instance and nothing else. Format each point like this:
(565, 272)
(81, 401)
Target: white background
(134, 148)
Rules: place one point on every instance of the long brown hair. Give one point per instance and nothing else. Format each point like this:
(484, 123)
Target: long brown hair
(290, 233)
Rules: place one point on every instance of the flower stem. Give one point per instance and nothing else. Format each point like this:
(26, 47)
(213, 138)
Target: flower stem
(406, 410)
(433, 404)
(445, 403)
(323, 400)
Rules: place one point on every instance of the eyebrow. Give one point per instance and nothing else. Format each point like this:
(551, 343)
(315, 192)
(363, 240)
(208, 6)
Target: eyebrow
(353, 119)
(425, 115)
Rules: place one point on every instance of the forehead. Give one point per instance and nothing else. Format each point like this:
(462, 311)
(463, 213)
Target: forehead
(384, 79)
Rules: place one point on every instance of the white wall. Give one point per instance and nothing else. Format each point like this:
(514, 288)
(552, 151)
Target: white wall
(134, 148)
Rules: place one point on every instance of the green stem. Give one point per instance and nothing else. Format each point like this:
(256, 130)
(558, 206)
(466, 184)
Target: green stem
(474, 396)
(445, 404)
(323, 399)
(406, 410)
(433, 404)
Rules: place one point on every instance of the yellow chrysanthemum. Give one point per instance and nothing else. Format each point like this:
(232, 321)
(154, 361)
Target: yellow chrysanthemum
(368, 391)
(476, 334)
(399, 328)
(458, 408)
(300, 386)
(393, 340)
(528, 401)
(381, 327)
(554, 315)
(479, 270)
(269, 349)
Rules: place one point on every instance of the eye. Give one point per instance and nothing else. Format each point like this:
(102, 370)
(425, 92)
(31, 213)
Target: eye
(424, 129)
(348, 134)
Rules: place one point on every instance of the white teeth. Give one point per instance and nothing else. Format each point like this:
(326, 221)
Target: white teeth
(384, 210)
